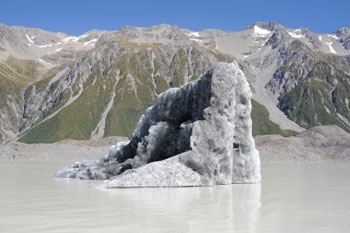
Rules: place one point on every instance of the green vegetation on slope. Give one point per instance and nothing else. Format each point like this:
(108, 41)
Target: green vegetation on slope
(143, 72)
(314, 89)
(126, 110)
(136, 91)
(15, 75)
(41, 86)
(77, 120)
(27, 68)
(161, 84)
(10, 84)
(262, 124)
(318, 98)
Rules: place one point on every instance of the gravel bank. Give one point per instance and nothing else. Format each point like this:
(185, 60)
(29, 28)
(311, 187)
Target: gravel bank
(63, 150)
(321, 143)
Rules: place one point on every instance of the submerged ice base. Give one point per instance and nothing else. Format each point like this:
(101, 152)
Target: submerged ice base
(197, 135)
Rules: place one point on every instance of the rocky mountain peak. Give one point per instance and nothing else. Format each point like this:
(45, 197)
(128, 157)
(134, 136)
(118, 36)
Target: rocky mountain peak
(270, 26)
(343, 36)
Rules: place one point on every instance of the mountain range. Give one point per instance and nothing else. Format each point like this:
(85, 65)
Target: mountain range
(54, 86)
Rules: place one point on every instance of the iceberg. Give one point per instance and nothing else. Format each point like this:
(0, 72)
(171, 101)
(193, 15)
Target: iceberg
(197, 135)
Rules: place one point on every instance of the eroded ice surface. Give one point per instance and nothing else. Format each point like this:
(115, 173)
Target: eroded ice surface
(196, 135)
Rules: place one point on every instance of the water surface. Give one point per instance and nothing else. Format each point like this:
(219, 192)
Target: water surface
(293, 197)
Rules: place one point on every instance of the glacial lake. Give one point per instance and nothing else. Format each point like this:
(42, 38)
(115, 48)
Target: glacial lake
(293, 197)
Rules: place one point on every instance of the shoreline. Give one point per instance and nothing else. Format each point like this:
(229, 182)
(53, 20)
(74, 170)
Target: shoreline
(318, 144)
(63, 150)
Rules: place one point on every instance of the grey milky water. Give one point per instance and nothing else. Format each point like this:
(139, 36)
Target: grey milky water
(293, 197)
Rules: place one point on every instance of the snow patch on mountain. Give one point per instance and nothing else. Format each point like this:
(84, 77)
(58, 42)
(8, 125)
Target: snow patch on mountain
(333, 36)
(29, 39)
(196, 34)
(259, 32)
(73, 38)
(296, 33)
(197, 40)
(91, 42)
(44, 62)
(45, 46)
(331, 49)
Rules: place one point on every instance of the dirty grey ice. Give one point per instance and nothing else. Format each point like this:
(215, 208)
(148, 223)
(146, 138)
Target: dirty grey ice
(197, 135)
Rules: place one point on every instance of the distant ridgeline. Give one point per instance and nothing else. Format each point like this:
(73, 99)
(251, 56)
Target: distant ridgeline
(54, 86)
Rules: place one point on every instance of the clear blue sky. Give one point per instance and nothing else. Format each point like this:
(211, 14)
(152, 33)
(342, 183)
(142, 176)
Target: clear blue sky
(77, 16)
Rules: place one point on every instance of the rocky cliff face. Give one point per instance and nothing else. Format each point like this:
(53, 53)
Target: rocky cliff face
(196, 135)
(29, 56)
(313, 88)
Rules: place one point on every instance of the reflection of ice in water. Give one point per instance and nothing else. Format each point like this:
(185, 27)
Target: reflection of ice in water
(246, 206)
(227, 208)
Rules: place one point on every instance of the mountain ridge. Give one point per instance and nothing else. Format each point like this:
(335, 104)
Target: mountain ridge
(141, 62)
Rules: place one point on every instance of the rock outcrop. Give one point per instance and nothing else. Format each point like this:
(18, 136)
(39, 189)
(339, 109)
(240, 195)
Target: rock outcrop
(196, 135)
